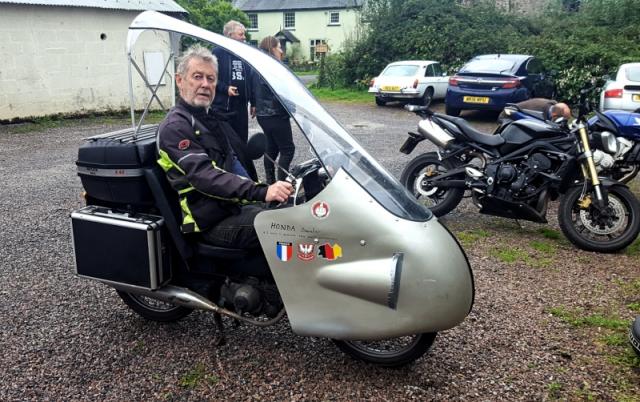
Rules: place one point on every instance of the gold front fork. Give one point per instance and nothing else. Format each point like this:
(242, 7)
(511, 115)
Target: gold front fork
(590, 171)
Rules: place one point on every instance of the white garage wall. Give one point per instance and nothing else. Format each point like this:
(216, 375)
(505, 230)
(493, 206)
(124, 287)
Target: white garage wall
(53, 60)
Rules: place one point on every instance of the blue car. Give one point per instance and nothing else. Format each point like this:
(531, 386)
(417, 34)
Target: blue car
(490, 81)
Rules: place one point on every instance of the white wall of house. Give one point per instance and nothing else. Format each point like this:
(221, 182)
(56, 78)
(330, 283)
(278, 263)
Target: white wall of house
(310, 25)
(68, 60)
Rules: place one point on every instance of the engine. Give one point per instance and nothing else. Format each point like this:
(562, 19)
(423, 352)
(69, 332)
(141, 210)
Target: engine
(251, 296)
(520, 180)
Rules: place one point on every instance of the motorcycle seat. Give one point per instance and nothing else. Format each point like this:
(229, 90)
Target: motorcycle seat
(208, 250)
(472, 133)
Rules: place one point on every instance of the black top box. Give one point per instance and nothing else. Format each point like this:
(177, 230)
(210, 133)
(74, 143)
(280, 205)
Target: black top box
(111, 166)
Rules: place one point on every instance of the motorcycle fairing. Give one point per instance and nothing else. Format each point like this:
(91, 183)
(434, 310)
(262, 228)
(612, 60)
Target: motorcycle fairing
(389, 277)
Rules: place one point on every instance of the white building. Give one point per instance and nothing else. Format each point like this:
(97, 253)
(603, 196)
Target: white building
(68, 56)
(303, 26)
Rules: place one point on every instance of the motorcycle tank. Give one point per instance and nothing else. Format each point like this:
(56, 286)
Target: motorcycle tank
(627, 123)
(362, 259)
(522, 131)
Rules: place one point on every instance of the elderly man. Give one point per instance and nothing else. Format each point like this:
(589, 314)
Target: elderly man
(233, 91)
(206, 164)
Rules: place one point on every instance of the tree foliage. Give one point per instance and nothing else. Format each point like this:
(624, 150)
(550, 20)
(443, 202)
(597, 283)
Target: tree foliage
(581, 40)
(212, 14)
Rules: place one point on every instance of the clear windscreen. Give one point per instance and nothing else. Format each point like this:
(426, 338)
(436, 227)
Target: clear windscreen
(326, 138)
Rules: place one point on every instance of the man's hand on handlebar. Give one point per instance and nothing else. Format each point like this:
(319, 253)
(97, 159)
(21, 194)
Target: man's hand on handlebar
(279, 191)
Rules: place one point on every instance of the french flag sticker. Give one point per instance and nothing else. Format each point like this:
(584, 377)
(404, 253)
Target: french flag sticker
(284, 251)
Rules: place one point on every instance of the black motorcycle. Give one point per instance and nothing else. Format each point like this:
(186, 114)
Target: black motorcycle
(516, 172)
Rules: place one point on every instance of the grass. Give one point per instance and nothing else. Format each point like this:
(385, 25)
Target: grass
(342, 95)
(612, 336)
(468, 237)
(196, 376)
(633, 249)
(52, 122)
(553, 389)
(307, 72)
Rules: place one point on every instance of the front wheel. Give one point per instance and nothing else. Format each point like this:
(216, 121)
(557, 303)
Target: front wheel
(391, 352)
(594, 230)
(153, 309)
(419, 172)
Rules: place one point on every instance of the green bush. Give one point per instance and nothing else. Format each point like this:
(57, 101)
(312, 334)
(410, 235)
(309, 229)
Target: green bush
(580, 40)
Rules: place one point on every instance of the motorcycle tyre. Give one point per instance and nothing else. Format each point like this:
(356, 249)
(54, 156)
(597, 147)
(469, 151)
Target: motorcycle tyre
(452, 197)
(395, 359)
(629, 235)
(174, 313)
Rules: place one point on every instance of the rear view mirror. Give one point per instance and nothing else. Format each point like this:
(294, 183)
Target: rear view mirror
(256, 146)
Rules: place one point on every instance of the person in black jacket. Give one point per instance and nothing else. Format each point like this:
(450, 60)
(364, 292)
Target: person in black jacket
(232, 91)
(273, 118)
(205, 162)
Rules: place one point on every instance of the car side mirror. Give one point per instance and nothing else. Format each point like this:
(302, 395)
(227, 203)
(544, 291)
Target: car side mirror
(256, 146)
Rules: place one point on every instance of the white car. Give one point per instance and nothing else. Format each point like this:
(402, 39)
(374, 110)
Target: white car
(624, 92)
(415, 81)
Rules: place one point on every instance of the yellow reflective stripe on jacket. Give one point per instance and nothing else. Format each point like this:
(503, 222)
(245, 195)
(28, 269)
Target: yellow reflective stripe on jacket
(187, 216)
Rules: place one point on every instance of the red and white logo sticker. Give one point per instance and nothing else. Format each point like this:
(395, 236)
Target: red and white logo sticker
(184, 144)
(306, 251)
(320, 209)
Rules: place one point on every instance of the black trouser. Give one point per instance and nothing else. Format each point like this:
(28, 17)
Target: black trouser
(240, 122)
(235, 231)
(279, 141)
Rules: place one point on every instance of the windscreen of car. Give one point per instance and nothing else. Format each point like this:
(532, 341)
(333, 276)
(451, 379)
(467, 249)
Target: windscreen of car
(400, 71)
(633, 73)
(492, 66)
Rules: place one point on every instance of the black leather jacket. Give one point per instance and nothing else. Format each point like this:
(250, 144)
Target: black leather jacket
(196, 151)
(265, 102)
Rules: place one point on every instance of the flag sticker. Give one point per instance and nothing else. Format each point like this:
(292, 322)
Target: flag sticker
(305, 251)
(284, 250)
(329, 252)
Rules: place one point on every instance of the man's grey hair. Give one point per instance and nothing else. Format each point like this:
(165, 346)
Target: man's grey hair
(230, 27)
(196, 52)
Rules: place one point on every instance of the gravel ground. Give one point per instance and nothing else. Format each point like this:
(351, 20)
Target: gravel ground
(549, 321)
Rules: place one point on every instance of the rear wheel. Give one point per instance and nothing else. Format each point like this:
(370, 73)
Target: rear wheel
(380, 102)
(153, 309)
(604, 231)
(451, 111)
(427, 97)
(419, 172)
(391, 352)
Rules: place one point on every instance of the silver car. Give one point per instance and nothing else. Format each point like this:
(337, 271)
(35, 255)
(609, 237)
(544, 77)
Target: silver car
(624, 92)
(410, 81)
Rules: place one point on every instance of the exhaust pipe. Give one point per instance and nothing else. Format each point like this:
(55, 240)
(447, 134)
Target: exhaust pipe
(187, 298)
(434, 133)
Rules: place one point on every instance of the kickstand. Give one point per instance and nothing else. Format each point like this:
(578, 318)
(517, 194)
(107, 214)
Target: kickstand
(219, 339)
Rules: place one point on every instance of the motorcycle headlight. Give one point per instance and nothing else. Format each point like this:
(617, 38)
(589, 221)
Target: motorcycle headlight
(609, 143)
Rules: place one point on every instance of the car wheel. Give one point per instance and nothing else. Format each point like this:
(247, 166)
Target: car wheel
(451, 111)
(380, 102)
(427, 97)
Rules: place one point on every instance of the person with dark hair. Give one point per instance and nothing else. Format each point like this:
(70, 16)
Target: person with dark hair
(206, 163)
(232, 90)
(273, 118)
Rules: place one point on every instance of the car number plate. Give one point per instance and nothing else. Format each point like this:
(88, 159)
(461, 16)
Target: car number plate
(475, 99)
(636, 98)
(390, 88)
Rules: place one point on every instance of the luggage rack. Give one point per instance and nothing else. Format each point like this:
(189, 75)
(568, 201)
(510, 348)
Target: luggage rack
(128, 135)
